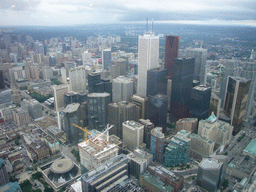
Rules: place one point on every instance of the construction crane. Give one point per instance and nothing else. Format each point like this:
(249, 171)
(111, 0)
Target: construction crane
(106, 130)
(84, 130)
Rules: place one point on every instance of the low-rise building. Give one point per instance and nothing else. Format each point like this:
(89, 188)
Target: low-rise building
(52, 143)
(38, 151)
(188, 124)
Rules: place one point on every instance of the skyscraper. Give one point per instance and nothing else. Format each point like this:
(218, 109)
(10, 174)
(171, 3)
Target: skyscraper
(157, 110)
(182, 81)
(119, 113)
(77, 79)
(97, 110)
(249, 72)
(235, 102)
(200, 68)
(133, 133)
(106, 58)
(171, 52)
(58, 93)
(122, 89)
(93, 79)
(148, 55)
(4, 178)
(148, 126)
(1, 79)
(200, 102)
(72, 114)
(157, 144)
(156, 81)
(142, 106)
(231, 68)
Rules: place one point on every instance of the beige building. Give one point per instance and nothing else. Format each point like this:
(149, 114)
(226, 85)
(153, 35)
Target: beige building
(201, 146)
(215, 130)
(95, 152)
(52, 143)
(142, 106)
(188, 124)
(133, 133)
(20, 116)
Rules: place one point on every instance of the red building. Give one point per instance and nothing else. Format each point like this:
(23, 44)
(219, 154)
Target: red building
(171, 52)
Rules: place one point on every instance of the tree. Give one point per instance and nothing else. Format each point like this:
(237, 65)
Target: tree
(37, 175)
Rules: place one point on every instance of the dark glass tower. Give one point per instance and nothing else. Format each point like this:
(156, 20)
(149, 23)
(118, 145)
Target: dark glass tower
(171, 52)
(93, 79)
(157, 110)
(156, 81)
(200, 102)
(1, 79)
(182, 82)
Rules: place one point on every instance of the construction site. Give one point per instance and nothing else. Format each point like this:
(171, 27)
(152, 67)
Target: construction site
(97, 150)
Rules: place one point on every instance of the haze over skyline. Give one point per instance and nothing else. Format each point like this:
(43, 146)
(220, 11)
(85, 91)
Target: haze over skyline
(66, 12)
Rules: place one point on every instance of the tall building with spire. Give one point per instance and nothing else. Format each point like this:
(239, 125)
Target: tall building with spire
(148, 55)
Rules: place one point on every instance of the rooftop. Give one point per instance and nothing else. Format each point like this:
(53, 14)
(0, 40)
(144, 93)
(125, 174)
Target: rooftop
(71, 108)
(209, 163)
(251, 147)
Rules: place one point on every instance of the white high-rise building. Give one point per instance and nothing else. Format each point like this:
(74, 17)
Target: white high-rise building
(133, 134)
(47, 72)
(200, 68)
(122, 89)
(148, 55)
(86, 56)
(77, 79)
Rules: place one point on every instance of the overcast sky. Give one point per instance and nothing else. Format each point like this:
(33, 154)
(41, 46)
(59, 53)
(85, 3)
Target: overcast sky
(70, 12)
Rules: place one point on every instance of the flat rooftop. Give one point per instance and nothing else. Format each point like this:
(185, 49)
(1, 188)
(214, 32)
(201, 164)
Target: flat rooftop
(251, 148)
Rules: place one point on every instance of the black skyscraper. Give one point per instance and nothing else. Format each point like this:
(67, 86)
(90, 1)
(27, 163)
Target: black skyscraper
(157, 110)
(1, 80)
(156, 81)
(93, 79)
(182, 82)
(200, 102)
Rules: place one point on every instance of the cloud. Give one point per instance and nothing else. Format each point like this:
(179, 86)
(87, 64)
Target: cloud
(19, 5)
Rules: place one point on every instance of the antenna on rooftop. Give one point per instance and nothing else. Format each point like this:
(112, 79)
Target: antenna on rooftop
(147, 25)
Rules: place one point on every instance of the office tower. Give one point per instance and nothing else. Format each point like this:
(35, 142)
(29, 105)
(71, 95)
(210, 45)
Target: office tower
(122, 89)
(103, 86)
(74, 97)
(182, 81)
(93, 79)
(52, 61)
(14, 57)
(157, 110)
(115, 71)
(105, 176)
(200, 146)
(78, 79)
(156, 81)
(133, 133)
(142, 106)
(188, 124)
(123, 65)
(86, 56)
(148, 126)
(34, 72)
(72, 114)
(169, 91)
(148, 55)
(58, 93)
(157, 144)
(139, 162)
(200, 68)
(235, 102)
(200, 102)
(196, 83)
(218, 131)
(177, 151)
(215, 103)
(249, 72)
(4, 178)
(171, 52)
(35, 109)
(231, 69)
(47, 72)
(106, 58)
(2, 85)
(211, 173)
(119, 113)
(97, 110)
(20, 116)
